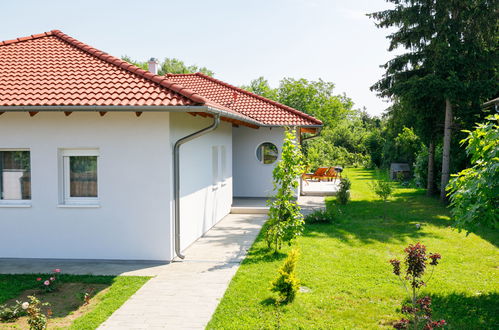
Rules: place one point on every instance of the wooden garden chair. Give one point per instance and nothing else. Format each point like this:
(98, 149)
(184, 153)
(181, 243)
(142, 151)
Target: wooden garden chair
(318, 174)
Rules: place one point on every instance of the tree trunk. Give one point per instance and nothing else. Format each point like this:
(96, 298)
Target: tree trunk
(446, 150)
(430, 185)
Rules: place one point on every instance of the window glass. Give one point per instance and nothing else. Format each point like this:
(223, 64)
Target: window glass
(83, 176)
(267, 153)
(15, 175)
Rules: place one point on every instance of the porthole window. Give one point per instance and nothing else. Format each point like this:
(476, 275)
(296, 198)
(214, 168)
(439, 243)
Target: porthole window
(267, 153)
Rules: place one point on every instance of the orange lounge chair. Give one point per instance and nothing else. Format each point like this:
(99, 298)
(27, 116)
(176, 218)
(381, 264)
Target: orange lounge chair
(331, 174)
(318, 174)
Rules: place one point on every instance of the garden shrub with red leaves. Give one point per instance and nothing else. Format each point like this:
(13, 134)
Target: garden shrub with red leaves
(418, 310)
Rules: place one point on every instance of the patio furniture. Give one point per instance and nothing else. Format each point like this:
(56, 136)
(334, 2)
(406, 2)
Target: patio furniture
(332, 174)
(317, 175)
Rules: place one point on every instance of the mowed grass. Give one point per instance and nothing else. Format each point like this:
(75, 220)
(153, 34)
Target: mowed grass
(345, 266)
(118, 290)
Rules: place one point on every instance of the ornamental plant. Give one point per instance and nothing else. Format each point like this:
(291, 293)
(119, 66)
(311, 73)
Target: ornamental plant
(285, 219)
(49, 284)
(13, 312)
(474, 192)
(36, 319)
(286, 284)
(324, 216)
(418, 310)
(383, 189)
(343, 195)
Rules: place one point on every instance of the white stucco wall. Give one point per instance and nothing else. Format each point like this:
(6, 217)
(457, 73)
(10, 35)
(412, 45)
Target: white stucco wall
(134, 180)
(251, 178)
(204, 199)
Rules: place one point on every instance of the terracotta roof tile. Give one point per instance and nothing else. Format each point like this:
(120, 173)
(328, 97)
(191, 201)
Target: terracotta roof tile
(52, 68)
(221, 94)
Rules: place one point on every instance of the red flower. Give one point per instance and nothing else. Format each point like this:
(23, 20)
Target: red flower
(38, 279)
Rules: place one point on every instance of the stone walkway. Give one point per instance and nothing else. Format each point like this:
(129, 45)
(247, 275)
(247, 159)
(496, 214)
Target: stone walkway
(186, 293)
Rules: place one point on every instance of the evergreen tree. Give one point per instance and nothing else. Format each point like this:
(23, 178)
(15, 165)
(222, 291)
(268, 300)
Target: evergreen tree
(450, 58)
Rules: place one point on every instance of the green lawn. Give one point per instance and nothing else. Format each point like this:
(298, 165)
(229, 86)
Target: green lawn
(117, 291)
(346, 267)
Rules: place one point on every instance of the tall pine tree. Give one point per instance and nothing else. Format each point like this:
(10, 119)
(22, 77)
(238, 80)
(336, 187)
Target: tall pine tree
(450, 63)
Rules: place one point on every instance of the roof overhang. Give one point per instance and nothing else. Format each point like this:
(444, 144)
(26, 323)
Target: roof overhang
(201, 110)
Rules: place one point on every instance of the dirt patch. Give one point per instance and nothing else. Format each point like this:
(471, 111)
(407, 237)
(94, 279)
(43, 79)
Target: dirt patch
(67, 303)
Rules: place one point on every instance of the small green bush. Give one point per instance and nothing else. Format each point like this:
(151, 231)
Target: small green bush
(325, 216)
(383, 189)
(343, 195)
(286, 284)
(11, 313)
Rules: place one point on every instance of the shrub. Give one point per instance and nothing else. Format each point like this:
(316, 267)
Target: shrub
(320, 216)
(343, 195)
(286, 284)
(383, 189)
(474, 192)
(36, 319)
(11, 313)
(49, 284)
(285, 219)
(418, 309)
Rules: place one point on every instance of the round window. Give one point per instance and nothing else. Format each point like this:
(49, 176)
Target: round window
(267, 153)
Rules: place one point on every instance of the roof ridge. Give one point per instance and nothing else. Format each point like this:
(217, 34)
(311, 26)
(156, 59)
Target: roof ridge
(160, 80)
(31, 37)
(280, 105)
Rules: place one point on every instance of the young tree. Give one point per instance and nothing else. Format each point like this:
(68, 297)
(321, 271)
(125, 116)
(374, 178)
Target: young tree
(285, 219)
(451, 54)
(474, 192)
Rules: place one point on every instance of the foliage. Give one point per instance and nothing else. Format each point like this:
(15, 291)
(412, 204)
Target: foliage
(285, 219)
(170, 65)
(343, 194)
(421, 167)
(286, 284)
(13, 312)
(345, 266)
(383, 189)
(325, 216)
(419, 309)
(345, 128)
(474, 192)
(49, 284)
(36, 319)
(450, 59)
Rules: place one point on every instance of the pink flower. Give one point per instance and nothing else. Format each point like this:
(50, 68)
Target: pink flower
(52, 279)
(57, 270)
(47, 282)
(39, 279)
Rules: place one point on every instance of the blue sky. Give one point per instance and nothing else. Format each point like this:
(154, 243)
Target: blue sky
(238, 40)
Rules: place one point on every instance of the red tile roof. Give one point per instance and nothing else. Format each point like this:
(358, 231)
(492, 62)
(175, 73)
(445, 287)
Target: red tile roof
(252, 105)
(53, 69)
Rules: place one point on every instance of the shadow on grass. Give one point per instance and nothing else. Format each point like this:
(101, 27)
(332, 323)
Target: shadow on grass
(270, 301)
(376, 221)
(467, 312)
(262, 254)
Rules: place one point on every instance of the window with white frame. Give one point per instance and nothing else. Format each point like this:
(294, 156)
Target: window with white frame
(15, 176)
(79, 176)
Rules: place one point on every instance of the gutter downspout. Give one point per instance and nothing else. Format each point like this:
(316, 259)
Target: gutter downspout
(176, 176)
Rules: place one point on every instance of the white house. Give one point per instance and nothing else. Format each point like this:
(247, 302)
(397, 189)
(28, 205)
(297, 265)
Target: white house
(102, 160)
